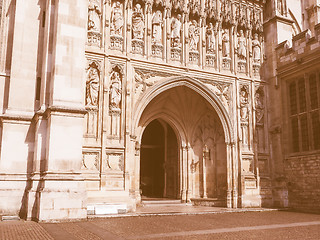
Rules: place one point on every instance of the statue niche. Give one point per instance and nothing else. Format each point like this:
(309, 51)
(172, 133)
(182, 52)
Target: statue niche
(210, 45)
(157, 25)
(92, 86)
(194, 37)
(256, 54)
(116, 28)
(226, 60)
(92, 100)
(94, 23)
(115, 97)
(115, 91)
(138, 27)
(242, 52)
(175, 37)
(244, 115)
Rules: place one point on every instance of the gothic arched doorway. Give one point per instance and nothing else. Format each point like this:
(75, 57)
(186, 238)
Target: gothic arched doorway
(206, 166)
(159, 161)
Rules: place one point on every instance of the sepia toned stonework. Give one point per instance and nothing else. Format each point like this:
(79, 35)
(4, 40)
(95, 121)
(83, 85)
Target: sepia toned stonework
(107, 103)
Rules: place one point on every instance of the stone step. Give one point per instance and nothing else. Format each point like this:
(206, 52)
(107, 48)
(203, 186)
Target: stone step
(208, 202)
(161, 202)
(9, 218)
(106, 208)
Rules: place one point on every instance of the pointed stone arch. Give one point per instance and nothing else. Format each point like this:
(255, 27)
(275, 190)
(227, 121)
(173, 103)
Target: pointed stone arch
(198, 87)
(213, 102)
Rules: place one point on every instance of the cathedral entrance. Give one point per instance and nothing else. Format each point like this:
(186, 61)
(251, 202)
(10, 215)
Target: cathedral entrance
(159, 161)
(182, 145)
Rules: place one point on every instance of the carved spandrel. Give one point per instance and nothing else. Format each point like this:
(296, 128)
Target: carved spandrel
(223, 91)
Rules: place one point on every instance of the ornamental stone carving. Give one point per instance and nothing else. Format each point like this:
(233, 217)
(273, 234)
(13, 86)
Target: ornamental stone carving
(223, 91)
(211, 9)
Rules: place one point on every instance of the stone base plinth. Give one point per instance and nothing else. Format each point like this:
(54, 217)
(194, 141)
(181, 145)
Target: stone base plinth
(61, 200)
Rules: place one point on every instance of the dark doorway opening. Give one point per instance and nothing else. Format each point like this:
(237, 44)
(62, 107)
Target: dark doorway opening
(159, 161)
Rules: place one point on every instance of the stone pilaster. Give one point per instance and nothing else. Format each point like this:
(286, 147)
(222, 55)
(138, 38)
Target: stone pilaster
(19, 102)
(62, 193)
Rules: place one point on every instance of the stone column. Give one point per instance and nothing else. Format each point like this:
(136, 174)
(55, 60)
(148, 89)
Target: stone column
(62, 194)
(229, 175)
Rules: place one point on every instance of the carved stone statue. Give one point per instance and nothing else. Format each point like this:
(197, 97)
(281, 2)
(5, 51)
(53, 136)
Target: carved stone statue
(115, 91)
(242, 50)
(137, 22)
(256, 48)
(176, 31)
(94, 12)
(92, 87)
(194, 33)
(117, 19)
(211, 41)
(157, 27)
(225, 44)
(244, 103)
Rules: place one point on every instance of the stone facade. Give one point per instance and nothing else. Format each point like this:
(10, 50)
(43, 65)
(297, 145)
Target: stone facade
(93, 91)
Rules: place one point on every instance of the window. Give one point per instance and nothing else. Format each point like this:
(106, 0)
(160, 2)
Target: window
(304, 113)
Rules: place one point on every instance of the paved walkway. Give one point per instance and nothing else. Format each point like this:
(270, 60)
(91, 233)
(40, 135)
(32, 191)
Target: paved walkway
(198, 223)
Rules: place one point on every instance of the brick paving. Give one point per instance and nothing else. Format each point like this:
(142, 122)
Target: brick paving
(237, 225)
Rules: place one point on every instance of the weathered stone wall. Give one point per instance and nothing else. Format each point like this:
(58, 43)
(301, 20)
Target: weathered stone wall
(303, 176)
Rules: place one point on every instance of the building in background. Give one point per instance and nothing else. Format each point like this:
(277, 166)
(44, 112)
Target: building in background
(106, 103)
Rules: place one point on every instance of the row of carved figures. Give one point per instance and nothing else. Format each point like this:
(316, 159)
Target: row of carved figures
(174, 33)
